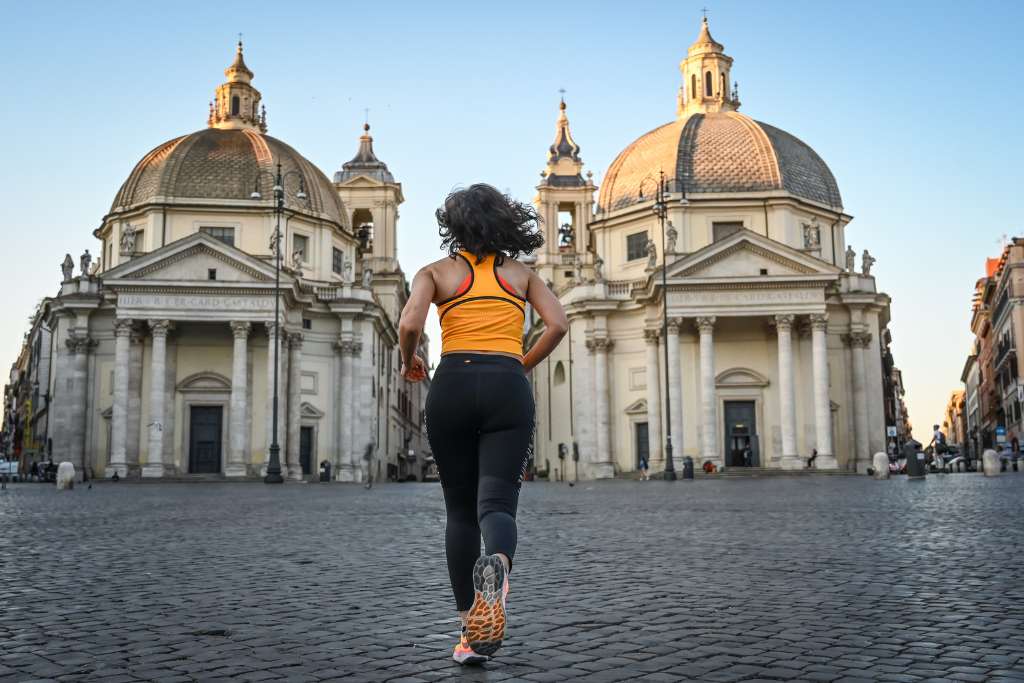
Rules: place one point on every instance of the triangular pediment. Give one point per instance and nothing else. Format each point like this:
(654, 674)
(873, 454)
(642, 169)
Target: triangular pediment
(361, 180)
(310, 412)
(747, 254)
(191, 259)
(638, 407)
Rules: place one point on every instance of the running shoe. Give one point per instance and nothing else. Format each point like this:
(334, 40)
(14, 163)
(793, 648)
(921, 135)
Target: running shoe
(485, 623)
(464, 653)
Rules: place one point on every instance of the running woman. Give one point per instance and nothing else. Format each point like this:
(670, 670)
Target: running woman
(479, 410)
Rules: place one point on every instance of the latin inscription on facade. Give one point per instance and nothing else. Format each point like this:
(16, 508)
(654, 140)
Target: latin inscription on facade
(196, 302)
(747, 297)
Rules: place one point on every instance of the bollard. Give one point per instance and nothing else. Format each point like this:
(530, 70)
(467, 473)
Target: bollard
(915, 461)
(65, 476)
(991, 462)
(881, 466)
(687, 467)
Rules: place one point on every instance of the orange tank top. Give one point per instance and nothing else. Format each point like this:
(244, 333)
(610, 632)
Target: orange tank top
(485, 314)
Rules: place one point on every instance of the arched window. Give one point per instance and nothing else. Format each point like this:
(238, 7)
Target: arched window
(236, 105)
(559, 377)
(693, 86)
(722, 89)
(254, 108)
(708, 91)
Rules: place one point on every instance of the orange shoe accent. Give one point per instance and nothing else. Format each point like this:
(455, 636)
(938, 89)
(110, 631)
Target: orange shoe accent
(464, 654)
(485, 623)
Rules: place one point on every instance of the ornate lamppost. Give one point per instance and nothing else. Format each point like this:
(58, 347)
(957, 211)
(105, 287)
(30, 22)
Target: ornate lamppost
(660, 209)
(273, 475)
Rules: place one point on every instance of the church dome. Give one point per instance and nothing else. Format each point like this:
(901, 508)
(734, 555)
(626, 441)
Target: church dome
(711, 147)
(227, 165)
(227, 162)
(720, 152)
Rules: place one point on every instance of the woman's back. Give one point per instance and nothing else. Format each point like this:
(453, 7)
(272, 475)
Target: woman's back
(485, 313)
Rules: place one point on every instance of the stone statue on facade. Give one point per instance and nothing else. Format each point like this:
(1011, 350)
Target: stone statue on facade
(346, 272)
(85, 262)
(652, 255)
(812, 236)
(95, 268)
(673, 235)
(297, 262)
(128, 233)
(851, 258)
(367, 277)
(577, 269)
(598, 269)
(866, 261)
(67, 267)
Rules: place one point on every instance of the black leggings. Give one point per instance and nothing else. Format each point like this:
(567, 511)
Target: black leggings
(479, 418)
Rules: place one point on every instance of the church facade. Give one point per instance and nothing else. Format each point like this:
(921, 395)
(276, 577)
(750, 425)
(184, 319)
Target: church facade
(711, 293)
(163, 349)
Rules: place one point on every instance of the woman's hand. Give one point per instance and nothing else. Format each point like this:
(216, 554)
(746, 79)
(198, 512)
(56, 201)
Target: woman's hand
(416, 371)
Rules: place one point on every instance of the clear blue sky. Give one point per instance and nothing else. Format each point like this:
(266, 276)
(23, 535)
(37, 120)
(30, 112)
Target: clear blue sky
(914, 105)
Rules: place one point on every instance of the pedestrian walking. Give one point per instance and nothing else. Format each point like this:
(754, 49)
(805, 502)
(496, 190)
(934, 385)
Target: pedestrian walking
(643, 468)
(479, 409)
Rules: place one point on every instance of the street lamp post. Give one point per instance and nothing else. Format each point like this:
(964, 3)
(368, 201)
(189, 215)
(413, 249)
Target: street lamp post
(660, 209)
(273, 475)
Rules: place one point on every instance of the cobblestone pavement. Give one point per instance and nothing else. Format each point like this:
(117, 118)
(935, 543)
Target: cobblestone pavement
(817, 579)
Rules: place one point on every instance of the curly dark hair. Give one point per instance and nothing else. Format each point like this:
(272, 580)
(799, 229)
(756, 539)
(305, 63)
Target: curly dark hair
(483, 221)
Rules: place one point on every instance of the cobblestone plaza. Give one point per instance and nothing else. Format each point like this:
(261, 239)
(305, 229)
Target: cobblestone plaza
(819, 579)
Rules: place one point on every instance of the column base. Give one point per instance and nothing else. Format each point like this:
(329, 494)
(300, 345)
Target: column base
(236, 470)
(156, 471)
(791, 462)
(345, 473)
(601, 470)
(121, 470)
(826, 461)
(294, 473)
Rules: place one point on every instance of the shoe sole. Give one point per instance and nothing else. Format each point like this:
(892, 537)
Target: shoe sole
(485, 623)
(470, 660)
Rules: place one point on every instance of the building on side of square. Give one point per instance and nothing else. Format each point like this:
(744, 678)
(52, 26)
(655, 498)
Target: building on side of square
(774, 334)
(163, 359)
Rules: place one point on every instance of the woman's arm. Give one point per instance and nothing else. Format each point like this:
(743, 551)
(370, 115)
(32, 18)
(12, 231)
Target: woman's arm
(550, 310)
(410, 325)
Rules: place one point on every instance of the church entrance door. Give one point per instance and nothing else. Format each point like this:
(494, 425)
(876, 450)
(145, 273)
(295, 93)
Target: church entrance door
(306, 449)
(740, 435)
(204, 451)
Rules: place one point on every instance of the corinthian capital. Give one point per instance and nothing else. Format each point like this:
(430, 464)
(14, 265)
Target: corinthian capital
(80, 342)
(857, 340)
(240, 329)
(347, 347)
(819, 321)
(706, 323)
(602, 344)
(651, 335)
(123, 327)
(159, 328)
(784, 322)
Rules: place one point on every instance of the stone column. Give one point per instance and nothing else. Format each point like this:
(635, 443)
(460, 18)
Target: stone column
(134, 444)
(294, 470)
(858, 341)
(708, 400)
(787, 399)
(675, 391)
(346, 468)
(826, 459)
(119, 412)
(238, 437)
(602, 468)
(78, 344)
(155, 466)
(272, 372)
(654, 437)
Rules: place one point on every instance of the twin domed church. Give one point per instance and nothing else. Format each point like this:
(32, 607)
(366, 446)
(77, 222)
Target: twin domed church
(709, 286)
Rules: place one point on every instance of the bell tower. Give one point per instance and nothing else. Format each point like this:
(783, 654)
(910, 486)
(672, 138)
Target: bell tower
(236, 104)
(705, 71)
(565, 203)
(372, 195)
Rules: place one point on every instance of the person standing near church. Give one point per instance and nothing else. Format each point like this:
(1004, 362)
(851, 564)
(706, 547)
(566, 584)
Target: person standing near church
(479, 409)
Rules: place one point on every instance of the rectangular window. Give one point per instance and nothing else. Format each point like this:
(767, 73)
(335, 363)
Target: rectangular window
(307, 324)
(225, 235)
(300, 244)
(721, 230)
(337, 260)
(636, 246)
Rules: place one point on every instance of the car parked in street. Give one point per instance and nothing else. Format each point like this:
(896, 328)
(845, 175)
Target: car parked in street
(9, 469)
